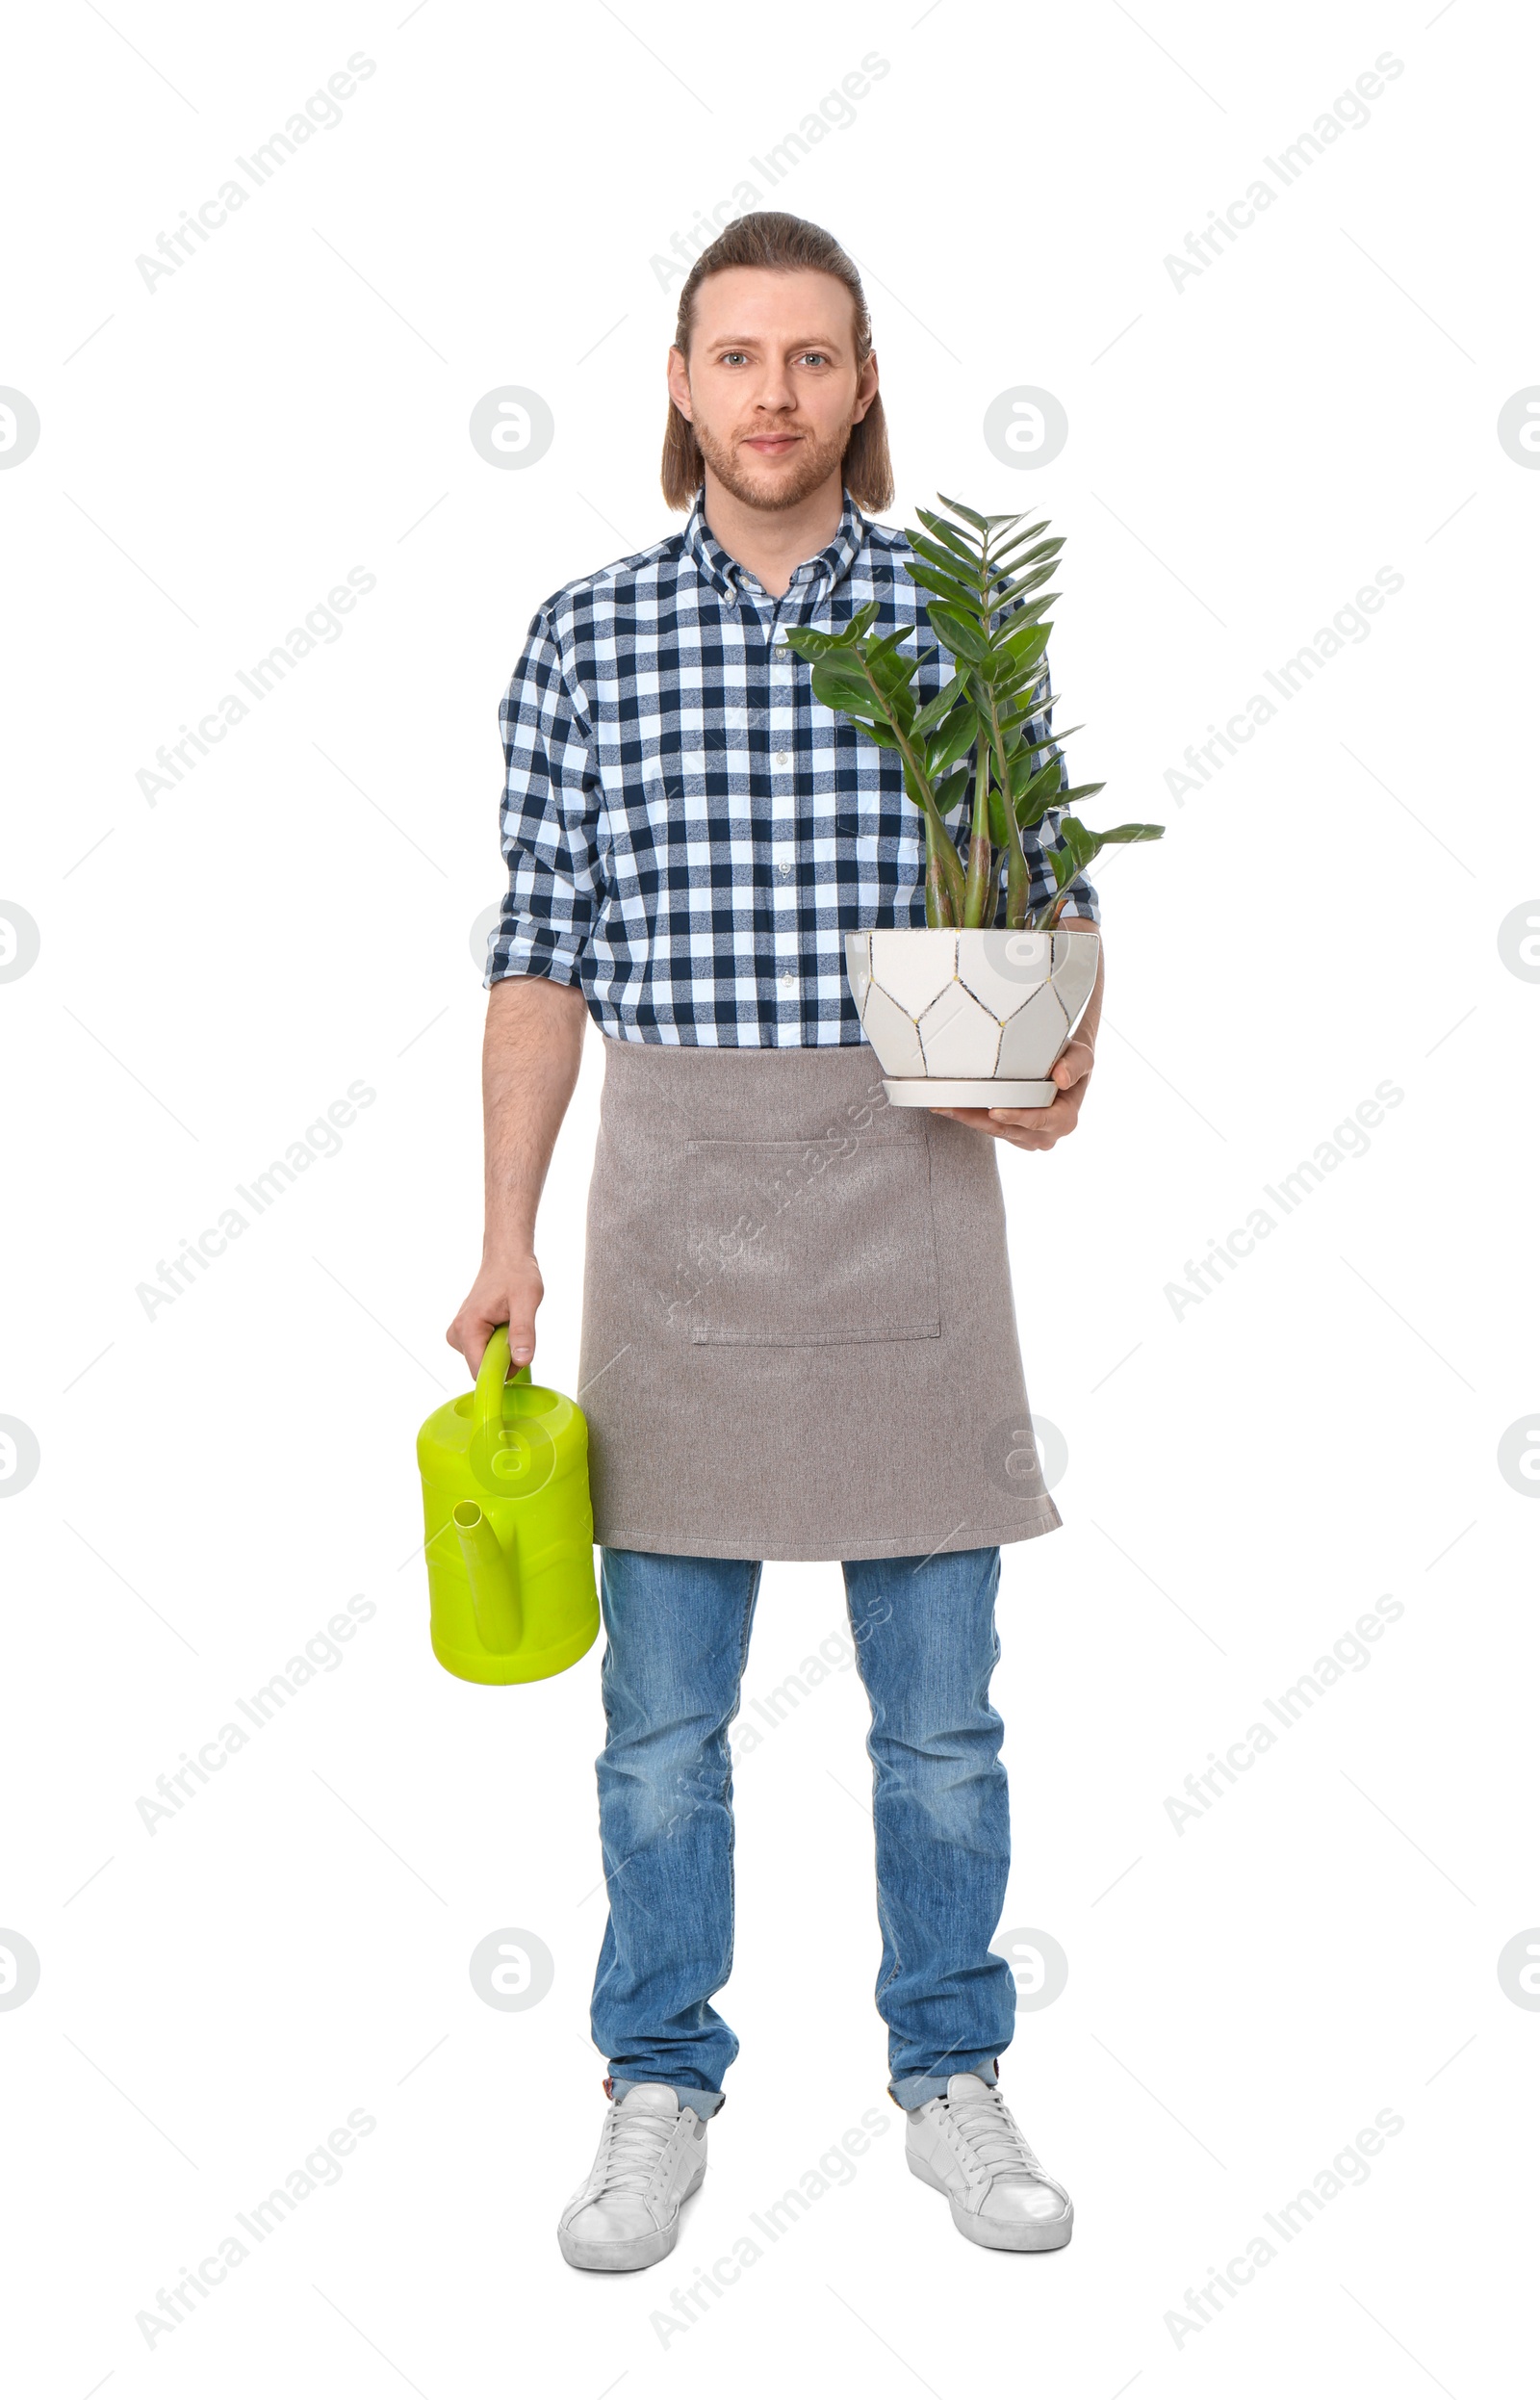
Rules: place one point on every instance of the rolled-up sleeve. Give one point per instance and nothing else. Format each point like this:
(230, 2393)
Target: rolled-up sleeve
(549, 817)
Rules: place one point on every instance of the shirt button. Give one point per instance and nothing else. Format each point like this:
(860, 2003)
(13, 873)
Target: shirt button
(788, 981)
(782, 758)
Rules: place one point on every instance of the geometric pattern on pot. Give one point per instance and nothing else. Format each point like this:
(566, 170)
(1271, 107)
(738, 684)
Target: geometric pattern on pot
(1074, 969)
(959, 1035)
(890, 1032)
(1005, 968)
(1034, 1037)
(914, 967)
(978, 1005)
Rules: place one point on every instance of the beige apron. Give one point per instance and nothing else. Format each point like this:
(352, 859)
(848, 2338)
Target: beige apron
(799, 1339)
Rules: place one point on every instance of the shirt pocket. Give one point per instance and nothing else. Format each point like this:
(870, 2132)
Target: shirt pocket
(812, 1243)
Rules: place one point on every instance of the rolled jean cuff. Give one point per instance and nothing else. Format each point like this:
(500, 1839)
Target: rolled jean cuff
(704, 2103)
(913, 2091)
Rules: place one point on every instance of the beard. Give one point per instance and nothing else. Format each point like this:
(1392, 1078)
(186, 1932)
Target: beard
(813, 463)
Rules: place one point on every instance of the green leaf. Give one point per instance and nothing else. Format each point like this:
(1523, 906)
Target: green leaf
(1087, 792)
(970, 516)
(947, 590)
(844, 692)
(954, 739)
(951, 538)
(1015, 558)
(1020, 747)
(1031, 611)
(1034, 794)
(931, 555)
(963, 640)
(1024, 645)
(987, 526)
(890, 668)
(936, 711)
(1013, 546)
(999, 833)
(951, 789)
(1022, 588)
(808, 643)
(1019, 686)
(949, 561)
(877, 729)
(1020, 696)
(1077, 846)
(1038, 671)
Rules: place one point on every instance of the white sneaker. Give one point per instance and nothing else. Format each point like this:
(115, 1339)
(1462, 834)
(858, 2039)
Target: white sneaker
(652, 2155)
(970, 2147)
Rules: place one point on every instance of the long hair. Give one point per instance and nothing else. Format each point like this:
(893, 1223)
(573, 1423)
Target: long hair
(766, 238)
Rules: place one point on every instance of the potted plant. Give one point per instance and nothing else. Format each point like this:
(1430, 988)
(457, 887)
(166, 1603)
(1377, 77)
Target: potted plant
(972, 1011)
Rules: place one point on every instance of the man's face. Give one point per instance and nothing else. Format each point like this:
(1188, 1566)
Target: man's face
(772, 387)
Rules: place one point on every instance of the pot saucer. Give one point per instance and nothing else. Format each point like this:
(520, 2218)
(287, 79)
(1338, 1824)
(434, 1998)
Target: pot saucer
(961, 1092)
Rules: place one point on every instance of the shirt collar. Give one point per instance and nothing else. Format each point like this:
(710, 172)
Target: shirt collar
(722, 572)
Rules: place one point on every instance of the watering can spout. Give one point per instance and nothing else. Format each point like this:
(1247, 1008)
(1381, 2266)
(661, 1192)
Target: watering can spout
(493, 1578)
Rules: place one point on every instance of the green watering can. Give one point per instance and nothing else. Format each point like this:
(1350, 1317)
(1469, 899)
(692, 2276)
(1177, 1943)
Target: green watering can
(510, 1529)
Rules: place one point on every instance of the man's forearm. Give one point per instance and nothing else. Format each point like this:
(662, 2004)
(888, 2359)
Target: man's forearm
(530, 1061)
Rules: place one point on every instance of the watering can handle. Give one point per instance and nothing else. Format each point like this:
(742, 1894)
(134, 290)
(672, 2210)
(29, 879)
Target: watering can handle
(486, 1408)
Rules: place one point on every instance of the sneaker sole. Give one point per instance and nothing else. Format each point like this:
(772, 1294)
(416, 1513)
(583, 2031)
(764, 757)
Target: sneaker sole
(625, 2257)
(993, 2232)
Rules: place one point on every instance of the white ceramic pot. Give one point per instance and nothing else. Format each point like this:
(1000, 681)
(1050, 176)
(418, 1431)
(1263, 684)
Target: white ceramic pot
(971, 1020)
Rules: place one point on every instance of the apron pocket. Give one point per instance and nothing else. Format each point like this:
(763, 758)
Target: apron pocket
(811, 1242)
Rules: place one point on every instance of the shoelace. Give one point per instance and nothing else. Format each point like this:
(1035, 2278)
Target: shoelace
(992, 2137)
(635, 2141)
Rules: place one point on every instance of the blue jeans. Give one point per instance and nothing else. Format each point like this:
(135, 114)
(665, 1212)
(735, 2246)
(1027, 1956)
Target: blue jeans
(676, 1638)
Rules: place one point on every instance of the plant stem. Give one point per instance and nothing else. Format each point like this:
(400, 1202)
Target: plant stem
(940, 851)
(980, 874)
(1018, 878)
(939, 908)
(1018, 874)
(981, 853)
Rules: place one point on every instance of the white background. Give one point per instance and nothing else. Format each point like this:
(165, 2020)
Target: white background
(1245, 1478)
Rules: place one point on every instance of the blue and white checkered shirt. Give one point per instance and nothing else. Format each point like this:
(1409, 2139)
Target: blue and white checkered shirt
(689, 833)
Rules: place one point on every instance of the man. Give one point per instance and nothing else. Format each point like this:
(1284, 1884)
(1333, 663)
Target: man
(797, 1335)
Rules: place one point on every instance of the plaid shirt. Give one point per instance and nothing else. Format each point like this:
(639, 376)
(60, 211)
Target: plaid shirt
(689, 835)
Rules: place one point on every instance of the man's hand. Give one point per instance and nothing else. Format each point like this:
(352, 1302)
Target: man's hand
(1038, 1128)
(503, 1294)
